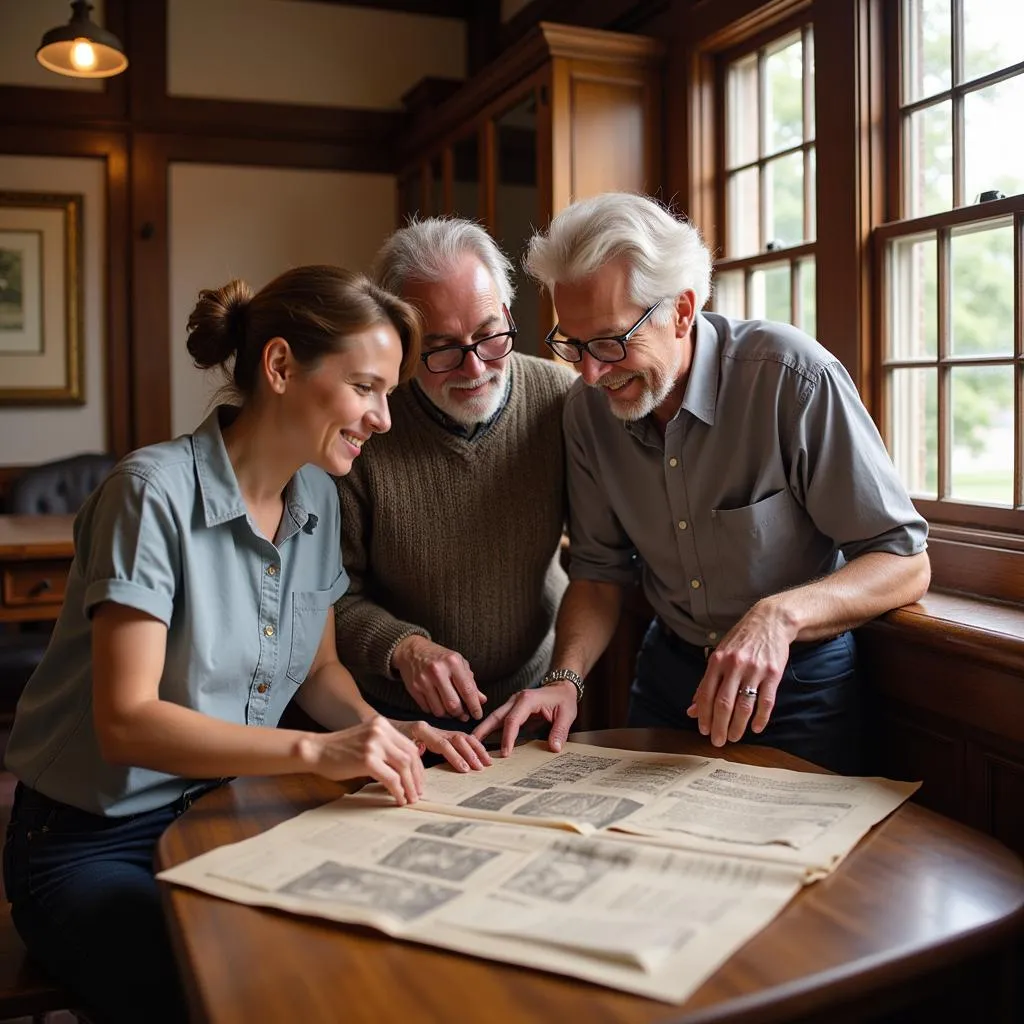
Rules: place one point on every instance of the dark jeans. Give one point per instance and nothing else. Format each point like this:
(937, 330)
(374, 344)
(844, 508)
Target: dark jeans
(87, 907)
(817, 714)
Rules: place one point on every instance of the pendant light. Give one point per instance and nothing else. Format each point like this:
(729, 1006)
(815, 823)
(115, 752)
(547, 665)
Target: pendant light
(81, 49)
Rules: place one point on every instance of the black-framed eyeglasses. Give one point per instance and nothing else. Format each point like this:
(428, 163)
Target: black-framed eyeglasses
(494, 346)
(610, 349)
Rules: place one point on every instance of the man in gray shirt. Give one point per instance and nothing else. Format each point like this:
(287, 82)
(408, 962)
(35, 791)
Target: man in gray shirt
(734, 466)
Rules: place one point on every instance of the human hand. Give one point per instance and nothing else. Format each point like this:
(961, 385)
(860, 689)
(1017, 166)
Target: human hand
(463, 751)
(742, 676)
(375, 748)
(556, 703)
(438, 679)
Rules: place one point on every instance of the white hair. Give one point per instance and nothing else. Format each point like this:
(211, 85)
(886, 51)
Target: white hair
(665, 256)
(427, 251)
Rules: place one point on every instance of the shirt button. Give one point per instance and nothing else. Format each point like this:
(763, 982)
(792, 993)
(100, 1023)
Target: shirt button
(673, 463)
(682, 524)
(712, 636)
(695, 583)
(271, 570)
(262, 688)
(268, 630)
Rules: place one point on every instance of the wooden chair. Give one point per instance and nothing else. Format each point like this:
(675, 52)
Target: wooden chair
(25, 990)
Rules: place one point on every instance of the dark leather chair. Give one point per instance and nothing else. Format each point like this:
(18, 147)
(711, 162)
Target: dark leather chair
(60, 487)
(51, 488)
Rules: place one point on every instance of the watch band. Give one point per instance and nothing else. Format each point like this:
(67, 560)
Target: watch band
(562, 675)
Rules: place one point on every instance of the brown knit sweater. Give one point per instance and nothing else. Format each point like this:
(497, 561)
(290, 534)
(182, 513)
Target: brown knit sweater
(457, 539)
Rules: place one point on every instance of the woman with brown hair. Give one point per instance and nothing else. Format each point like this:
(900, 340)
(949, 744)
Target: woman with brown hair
(197, 606)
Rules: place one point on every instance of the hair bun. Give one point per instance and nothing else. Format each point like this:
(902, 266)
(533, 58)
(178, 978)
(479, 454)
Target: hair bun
(218, 325)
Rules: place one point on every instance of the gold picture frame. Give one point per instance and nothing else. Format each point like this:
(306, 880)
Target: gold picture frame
(41, 346)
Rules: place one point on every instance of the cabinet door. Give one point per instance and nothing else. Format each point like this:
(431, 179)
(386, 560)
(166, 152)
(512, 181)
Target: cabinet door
(517, 209)
(605, 129)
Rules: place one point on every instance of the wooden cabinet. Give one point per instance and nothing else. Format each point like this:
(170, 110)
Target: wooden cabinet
(564, 114)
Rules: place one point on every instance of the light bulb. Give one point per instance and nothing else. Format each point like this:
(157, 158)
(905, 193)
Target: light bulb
(83, 56)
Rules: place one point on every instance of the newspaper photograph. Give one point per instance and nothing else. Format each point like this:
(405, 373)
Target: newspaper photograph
(648, 920)
(710, 804)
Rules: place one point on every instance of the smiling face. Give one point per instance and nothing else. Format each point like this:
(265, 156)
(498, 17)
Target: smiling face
(652, 377)
(459, 310)
(337, 405)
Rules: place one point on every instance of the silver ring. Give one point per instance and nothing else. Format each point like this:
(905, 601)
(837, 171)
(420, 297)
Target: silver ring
(749, 691)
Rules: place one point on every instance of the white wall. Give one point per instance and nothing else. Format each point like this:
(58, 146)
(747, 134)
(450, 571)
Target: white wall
(254, 223)
(30, 434)
(315, 53)
(22, 24)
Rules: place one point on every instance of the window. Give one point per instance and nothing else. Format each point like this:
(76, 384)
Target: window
(766, 96)
(952, 348)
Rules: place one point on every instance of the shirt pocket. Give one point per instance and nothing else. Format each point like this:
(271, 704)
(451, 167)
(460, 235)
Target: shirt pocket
(309, 613)
(757, 546)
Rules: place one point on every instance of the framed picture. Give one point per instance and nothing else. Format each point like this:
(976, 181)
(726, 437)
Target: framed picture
(41, 347)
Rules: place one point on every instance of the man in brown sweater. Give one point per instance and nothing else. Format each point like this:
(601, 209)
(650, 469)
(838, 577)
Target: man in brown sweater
(451, 522)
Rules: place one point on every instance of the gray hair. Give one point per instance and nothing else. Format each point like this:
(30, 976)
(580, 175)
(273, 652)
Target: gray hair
(427, 251)
(666, 256)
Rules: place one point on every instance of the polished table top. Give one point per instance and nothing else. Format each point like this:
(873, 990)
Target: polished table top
(24, 537)
(919, 894)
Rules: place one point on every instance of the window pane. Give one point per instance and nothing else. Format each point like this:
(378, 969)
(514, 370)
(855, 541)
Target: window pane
(784, 194)
(928, 163)
(927, 48)
(982, 290)
(807, 316)
(913, 433)
(784, 95)
(982, 449)
(812, 195)
(741, 112)
(993, 36)
(809, 71)
(742, 213)
(913, 299)
(769, 294)
(729, 294)
(994, 150)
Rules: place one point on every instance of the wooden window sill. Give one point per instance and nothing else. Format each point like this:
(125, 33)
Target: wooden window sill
(988, 631)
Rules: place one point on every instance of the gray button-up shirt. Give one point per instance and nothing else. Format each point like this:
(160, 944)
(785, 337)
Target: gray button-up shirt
(770, 475)
(168, 533)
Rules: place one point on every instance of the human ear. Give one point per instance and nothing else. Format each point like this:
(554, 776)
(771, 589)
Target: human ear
(277, 364)
(686, 310)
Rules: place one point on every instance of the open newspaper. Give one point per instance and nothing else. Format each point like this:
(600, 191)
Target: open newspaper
(697, 803)
(639, 871)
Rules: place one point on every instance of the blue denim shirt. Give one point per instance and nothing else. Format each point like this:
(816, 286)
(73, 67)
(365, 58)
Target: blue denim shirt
(168, 533)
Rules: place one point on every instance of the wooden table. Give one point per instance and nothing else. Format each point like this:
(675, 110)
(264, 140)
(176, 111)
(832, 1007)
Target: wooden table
(35, 557)
(919, 897)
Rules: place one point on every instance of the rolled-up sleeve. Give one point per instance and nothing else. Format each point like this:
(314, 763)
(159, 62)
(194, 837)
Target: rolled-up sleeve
(132, 556)
(844, 476)
(599, 548)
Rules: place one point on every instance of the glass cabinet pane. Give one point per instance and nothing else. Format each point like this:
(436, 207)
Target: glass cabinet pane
(466, 177)
(516, 213)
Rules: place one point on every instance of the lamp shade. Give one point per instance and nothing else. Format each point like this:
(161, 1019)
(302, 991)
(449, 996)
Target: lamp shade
(81, 49)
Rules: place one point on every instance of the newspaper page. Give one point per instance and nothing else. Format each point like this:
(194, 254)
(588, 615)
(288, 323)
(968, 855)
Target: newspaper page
(677, 800)
(644, 919)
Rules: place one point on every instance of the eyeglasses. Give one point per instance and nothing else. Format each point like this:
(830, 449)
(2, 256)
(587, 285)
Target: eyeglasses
(494, 346)
(611, 349)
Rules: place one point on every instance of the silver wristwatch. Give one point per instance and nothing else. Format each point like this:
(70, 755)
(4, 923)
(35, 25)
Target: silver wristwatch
(561, 675)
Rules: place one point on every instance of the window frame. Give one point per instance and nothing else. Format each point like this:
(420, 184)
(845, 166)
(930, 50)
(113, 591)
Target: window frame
(792, 256)
(968, 543)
